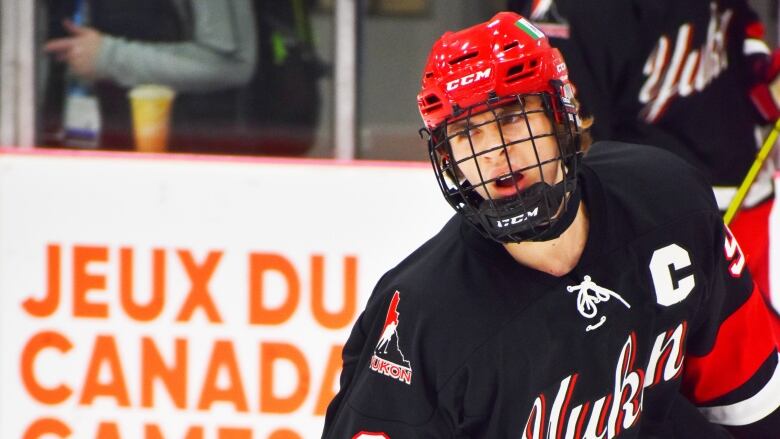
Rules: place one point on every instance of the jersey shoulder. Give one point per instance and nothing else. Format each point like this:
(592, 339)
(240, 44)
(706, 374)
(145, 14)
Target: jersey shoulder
(447, 290)
(651, 185)
(407, 354)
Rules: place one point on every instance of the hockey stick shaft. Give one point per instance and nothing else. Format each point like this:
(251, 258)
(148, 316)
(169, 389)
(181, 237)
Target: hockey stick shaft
(758, 163)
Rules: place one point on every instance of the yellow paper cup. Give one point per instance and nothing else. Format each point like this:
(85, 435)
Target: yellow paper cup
(151, 108)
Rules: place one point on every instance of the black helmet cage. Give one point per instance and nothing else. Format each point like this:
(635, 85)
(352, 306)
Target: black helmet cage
(528, 215)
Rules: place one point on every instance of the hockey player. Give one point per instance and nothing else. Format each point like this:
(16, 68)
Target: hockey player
(573, 295)
(689, 76)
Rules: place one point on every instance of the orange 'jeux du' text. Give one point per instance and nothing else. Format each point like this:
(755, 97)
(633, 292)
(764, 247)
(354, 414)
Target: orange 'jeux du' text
(174, 376)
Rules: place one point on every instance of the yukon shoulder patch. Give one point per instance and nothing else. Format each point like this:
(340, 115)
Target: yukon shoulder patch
(388, 358)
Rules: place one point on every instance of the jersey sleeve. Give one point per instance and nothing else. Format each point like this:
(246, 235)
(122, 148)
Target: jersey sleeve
(384, 392)
(221, 53)
(731, 371)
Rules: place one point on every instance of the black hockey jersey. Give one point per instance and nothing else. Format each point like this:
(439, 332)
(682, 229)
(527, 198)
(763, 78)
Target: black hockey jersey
(656, 330)
(663, 72)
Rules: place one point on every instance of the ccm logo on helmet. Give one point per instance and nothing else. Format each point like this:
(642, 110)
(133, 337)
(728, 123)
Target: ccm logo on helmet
(468, 79)
(517, 219)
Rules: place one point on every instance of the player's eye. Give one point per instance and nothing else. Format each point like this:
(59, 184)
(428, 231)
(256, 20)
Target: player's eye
(473, 131)
(459, 135)
(510, 118)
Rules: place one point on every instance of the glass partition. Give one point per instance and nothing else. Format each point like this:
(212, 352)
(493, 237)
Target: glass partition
(249, 77)
(246, 77)
(395, 39)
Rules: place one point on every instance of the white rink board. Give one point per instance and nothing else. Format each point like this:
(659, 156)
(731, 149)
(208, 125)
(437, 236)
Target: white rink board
(142, 296)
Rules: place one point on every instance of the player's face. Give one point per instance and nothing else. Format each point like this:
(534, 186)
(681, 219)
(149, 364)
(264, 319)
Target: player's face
(530, 155)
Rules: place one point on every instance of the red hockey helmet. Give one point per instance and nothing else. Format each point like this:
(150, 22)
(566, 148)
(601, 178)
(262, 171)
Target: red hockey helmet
(502, 57)
(503, 61)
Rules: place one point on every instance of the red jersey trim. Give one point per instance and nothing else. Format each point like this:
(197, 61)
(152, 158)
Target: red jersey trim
(743, 343)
